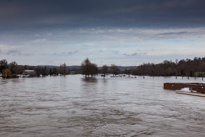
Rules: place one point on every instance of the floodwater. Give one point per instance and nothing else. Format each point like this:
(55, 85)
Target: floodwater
(72, 106)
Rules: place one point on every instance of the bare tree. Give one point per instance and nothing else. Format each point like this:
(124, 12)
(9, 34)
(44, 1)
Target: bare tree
(94, 69)
(12, 66)
(63, 69)
(19, 69)
(104, 69)
(88, 68)
(114, 70)
(3, 64)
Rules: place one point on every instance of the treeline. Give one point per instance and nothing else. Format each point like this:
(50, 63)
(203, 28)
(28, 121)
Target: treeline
(91, 69)
(13, 69)
(188, 67)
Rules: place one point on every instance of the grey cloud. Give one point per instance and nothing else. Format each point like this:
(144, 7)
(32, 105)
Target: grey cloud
(27, 54)
(40, 14)
(92, 25)
(175, 33)
(115, 52)
(18, 53)
(13, 52)
(135, 54)
(66, 53)
(72, 52)
(38, 40)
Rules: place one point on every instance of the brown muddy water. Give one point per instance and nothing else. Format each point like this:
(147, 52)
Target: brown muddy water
(73, 106)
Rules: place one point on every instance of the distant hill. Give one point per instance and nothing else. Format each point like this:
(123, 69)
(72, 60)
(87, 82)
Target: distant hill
(124, 67)
(73, 67)
(78, 67)
(48, 66)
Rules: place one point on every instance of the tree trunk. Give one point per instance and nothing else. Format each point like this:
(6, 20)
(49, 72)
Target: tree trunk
(176, 74)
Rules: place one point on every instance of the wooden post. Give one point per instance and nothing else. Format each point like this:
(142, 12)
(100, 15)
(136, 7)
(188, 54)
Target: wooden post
(176, 74)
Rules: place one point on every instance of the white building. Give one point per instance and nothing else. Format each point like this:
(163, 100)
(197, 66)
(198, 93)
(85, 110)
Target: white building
(29, 73)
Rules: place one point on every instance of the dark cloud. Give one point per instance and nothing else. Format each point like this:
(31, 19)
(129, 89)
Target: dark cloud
(100, 29)
(59, 14)
(175, 33)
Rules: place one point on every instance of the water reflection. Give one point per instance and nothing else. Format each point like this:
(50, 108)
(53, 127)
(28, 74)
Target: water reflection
(89, 86)
(89, 79)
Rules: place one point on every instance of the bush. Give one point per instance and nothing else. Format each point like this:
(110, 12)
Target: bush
(6, 73)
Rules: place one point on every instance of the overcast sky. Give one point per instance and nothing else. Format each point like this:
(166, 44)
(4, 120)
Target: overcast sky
(121, 32)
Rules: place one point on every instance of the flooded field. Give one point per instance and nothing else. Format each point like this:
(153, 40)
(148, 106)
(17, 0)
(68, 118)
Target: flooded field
(121, 106)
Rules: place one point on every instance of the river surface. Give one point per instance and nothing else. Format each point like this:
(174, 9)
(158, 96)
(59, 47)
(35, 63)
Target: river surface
(72, 106)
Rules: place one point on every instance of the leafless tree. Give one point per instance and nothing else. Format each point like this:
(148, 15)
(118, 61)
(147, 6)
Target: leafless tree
(88, 68)
(114, 69)
(12, 66)
(3, 64)
(104, 69)
(63, 69)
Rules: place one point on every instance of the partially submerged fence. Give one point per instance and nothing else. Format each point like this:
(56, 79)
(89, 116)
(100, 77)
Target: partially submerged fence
(199, 87)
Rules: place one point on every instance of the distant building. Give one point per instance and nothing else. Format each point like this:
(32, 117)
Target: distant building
(30, 73)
